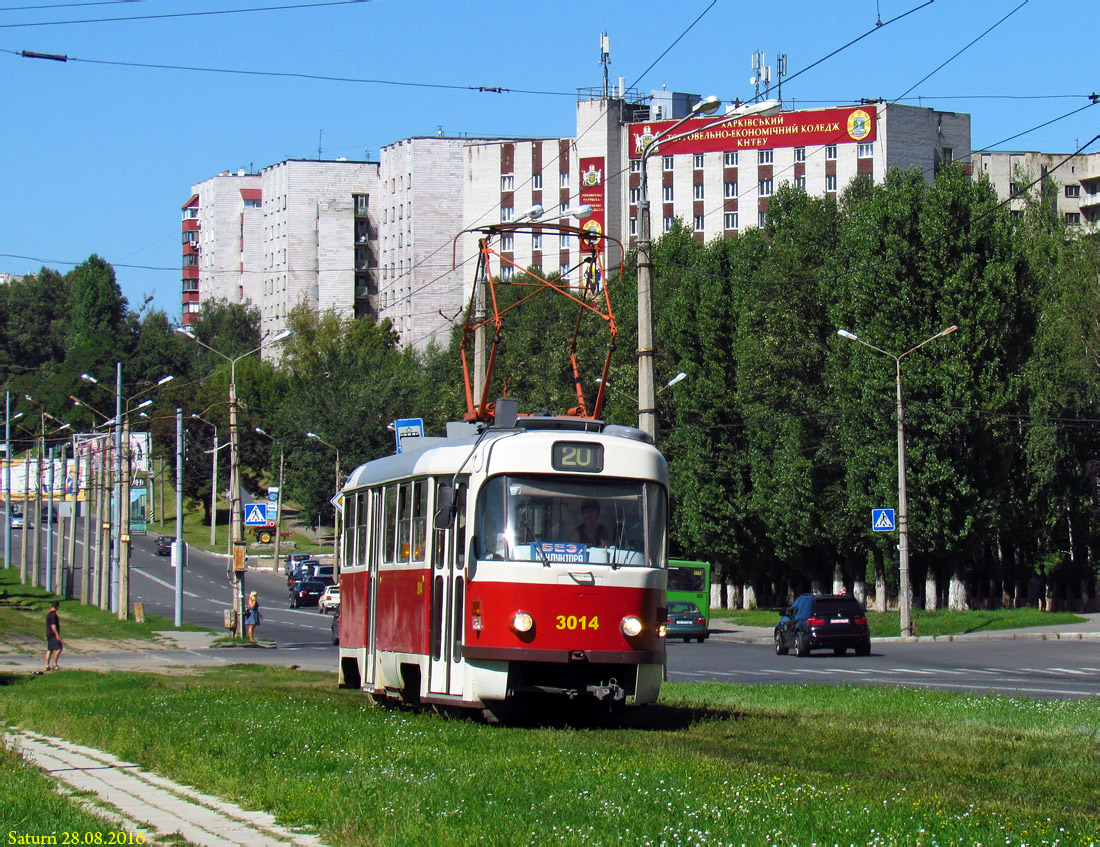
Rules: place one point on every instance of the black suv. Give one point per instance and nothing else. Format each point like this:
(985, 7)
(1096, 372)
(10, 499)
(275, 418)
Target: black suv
(819, 621)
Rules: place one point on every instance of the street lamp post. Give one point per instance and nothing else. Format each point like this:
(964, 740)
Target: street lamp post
(647, 391)
(122, 465)
(8, 418)
(335, 509)
(904, 598)
(278, 502)
(236, 534)
(213, 479)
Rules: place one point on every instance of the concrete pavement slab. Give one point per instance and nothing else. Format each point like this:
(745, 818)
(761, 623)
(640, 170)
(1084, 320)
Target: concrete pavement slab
(152, 803)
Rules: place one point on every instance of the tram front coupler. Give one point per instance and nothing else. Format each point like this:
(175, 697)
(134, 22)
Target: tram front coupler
(607, 692)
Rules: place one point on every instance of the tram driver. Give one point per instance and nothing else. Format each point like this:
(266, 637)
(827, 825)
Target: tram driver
(590, 531)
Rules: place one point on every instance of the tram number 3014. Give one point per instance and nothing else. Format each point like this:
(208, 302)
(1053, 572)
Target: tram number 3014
(572, 622)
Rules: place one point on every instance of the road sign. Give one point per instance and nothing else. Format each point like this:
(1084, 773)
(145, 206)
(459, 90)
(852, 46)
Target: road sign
(408, 428)
(882, 520)
(255, 514)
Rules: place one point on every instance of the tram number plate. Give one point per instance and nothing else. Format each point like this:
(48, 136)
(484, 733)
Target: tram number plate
(574, 622)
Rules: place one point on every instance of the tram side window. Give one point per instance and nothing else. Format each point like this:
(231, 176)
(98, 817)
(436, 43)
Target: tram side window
(419, 520)
(389, 521)
(404, 521)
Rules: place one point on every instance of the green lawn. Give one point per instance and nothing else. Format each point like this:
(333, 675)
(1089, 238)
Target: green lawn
(23, 610)
(942, 622)
(712, 764)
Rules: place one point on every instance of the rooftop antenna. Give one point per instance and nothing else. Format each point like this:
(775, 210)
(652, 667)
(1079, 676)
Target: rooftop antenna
(320, 135)
(758, 69)
(605, 58)
(780, 72)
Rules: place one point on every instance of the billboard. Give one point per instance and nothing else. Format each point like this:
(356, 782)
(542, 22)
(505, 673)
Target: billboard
(810, 128)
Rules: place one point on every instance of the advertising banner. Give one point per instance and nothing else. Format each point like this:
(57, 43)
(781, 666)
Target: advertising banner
(139, 507)
(813, 128)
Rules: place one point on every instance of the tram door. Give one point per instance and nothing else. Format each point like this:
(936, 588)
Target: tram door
(373, 558)
(447, 600)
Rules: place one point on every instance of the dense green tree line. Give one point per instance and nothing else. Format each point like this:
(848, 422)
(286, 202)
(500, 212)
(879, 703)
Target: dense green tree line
(781, 439)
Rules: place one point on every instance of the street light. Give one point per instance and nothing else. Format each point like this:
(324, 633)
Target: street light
(904, 600)
(8, 418)
(236, 534)
(335, 510)
(278, 501)
(213, 479)
(647, 394)
(122, 463)
(679, 377)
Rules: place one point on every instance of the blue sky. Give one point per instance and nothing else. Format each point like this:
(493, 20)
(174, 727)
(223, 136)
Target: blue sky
(97, 155)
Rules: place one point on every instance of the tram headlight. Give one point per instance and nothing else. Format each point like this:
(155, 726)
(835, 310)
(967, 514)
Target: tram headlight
(522, 622)
(631, 626)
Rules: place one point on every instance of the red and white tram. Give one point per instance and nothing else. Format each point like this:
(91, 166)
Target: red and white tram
(474, 571)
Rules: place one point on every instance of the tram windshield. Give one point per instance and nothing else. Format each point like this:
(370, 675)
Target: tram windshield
(546, 520)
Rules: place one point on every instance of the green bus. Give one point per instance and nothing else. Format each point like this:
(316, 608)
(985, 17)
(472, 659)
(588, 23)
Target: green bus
(690, 581)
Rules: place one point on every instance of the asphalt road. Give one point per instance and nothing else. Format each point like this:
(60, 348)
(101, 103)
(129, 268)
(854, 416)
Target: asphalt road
(1061, 669)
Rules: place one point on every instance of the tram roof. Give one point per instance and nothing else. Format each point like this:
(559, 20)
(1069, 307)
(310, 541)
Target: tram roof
(438, 456)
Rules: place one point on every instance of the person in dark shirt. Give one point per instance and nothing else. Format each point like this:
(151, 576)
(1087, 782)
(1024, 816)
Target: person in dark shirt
(53, 636)
(590, 531)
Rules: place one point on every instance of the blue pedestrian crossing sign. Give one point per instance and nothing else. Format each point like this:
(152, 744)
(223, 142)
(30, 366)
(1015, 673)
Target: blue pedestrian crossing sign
(255, 514)
(882, 520)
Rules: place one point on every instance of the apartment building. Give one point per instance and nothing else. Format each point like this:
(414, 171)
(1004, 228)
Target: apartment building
(297, 232)
(1076, 180)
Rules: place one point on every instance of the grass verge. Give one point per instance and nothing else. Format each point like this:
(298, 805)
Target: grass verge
(940, 622)
(23, 610)
(712, 764)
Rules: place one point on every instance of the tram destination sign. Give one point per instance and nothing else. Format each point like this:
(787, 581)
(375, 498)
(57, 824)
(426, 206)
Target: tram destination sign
(812, 128)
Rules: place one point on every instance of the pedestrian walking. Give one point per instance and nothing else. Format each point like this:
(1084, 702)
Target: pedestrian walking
(53, 636)
(252, 616)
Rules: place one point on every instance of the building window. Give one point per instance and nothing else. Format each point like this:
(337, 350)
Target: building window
(507, 243)
(536, 241)
(564, 180)
(830, 151)
(699, 191)
(762, 220)
(765, 188)
(536, 181)
(508, 182)
(566, 241)
(731, 220)
(563, 271)
(668, 223)
(635, 195)
(635, 166)
(865, 150)
(800, 182)
(666, 163)
(729, 158)
(506, 213)
(507, 273)
(700, 223)
(668, 193)
(800, 154)
(634, 226)
(1073, 191)
(697, 161)
(948, 155)
(1017, 189)
(765, 157)
(830, 182)
(1073, 218)
(731, 190)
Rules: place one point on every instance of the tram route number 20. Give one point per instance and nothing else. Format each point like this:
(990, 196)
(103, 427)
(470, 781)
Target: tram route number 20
(572, 622)
(577, 456)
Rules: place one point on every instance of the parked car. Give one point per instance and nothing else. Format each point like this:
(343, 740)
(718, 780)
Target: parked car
(325, 573)
(686, 621)
(336, 626)
(292, 560)
(826, 621)
(301, 570)
(306, 592)
(330, 600)
(16, 520)
(164, 544)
